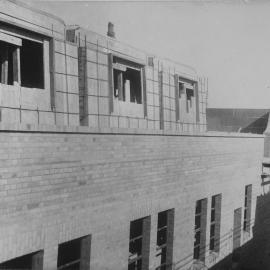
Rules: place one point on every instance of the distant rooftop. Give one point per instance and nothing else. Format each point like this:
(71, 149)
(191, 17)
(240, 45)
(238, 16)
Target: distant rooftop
(237, 120)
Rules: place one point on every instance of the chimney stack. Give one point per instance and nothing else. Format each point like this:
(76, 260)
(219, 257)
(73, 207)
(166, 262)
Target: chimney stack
(110, 32)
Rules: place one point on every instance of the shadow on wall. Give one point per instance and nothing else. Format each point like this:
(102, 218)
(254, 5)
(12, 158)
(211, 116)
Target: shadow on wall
(255, 254)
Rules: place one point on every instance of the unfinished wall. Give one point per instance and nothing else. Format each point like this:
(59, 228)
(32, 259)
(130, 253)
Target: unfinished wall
(55, 187)
(31, 105)
(123, 115)
(58, 102)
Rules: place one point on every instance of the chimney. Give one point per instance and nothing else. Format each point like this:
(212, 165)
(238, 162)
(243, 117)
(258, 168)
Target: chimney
(110, 32)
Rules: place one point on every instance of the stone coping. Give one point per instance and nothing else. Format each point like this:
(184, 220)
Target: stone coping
(30, 128)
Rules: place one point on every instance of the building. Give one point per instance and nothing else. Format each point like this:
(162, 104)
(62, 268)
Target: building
(105, 159)
(237, 120)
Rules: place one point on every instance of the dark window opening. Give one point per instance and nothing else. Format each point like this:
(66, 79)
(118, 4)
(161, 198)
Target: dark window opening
(127, 78)
(200, 229)
(33, 261)
(74, 254)
(7, 63)
(32, 68)
(247, 208)
(165, 239)
(215, 223)
(190, 95)
(139, 240)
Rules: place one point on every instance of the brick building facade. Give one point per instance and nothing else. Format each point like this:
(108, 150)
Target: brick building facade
(105, 159)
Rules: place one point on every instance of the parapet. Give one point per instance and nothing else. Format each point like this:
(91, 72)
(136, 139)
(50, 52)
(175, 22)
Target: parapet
(53, 74)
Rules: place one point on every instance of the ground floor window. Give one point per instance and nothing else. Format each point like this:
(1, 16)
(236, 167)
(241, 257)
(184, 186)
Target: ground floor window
(164, 249)
(32, 261)
(200, 229)
(74, 254)
(139, 241)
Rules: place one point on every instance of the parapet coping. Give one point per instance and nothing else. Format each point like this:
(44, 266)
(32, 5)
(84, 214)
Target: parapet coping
(31, 128)
(36, 10)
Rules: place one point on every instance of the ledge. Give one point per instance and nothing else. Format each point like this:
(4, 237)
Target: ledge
(29, 128)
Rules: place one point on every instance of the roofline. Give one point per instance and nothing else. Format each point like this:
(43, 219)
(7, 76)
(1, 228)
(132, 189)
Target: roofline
(77, 27)
(25, 5)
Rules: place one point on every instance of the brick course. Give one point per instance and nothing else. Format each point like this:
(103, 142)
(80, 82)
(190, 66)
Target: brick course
(55, 187)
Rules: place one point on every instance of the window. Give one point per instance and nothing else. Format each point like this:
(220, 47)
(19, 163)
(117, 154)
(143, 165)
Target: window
(215, 223)
(139, 241)
(127, 79)
(74, 254)
(247, 208)
(32, 71)
(185, 92)
(181, 89)
(200, 230)
(164, 248)
(32, 261)
(190, 97)
(22, 58)
(8, 63)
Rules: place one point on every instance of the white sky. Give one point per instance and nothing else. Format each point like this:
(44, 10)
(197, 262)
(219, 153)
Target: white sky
(226, 41)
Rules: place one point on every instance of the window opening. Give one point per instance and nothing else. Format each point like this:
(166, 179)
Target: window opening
(247, 208)
(139, 240)
(127, 77)
(7, 59)
(200, 229)
(190, 95)
(74, 254)
(32, 261)
(165, 239)
(215, 223)
(32, 68)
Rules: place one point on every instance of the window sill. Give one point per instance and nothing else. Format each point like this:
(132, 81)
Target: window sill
(17, 86)
(32, 88)
(125, 108)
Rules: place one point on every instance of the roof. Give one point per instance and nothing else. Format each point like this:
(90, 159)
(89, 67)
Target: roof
(237, 120)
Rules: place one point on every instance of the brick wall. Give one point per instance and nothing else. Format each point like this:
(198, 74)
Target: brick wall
(58, 186)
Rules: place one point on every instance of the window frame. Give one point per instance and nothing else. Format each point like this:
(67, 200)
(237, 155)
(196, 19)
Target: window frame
(165, 250)
(187, 84)
(121, 65)
(17, 35)
(215, 219)
(142, 257)
(84, 243)
(200, 230)
(124, 62)
(247, 209)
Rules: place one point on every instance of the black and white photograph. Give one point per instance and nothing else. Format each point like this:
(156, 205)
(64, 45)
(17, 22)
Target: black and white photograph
(134, 135)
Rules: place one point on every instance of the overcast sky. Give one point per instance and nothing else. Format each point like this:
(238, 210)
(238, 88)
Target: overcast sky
(226, 41)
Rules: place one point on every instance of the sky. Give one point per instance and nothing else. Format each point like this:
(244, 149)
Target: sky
(226, 41)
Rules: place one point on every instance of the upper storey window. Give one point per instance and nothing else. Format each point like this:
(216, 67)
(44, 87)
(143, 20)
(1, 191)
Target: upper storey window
(190, 98)
(9, 49)
(187, 88)
(22, 57)
(186, 98)
(32, 68)
(127, 78)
